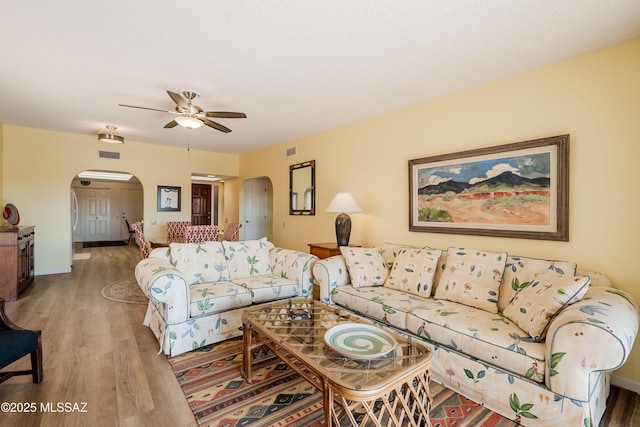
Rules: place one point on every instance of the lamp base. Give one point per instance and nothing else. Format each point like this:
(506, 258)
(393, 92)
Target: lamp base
(343, 229)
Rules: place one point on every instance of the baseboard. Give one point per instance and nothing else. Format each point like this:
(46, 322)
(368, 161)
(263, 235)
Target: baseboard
(625, 383)
(53, 271)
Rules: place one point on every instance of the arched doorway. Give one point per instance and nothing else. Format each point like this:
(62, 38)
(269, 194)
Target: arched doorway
(101, 203)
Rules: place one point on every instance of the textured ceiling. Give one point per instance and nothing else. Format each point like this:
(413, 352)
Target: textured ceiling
(294, 67)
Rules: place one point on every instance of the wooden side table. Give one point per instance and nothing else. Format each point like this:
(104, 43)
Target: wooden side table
(324, 250)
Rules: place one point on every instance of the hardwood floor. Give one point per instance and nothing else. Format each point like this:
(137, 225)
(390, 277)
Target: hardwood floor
(96, 352)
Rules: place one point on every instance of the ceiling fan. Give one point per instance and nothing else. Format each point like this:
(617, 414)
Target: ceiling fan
(191, 116)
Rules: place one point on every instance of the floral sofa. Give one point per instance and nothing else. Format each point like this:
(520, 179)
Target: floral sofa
(197, 291)
(530, 339)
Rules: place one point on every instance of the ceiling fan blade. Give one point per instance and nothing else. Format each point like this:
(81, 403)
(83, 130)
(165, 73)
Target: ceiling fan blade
(225, 115)
(171, 124)
(147, 108)
(216, 126)
(178, 100)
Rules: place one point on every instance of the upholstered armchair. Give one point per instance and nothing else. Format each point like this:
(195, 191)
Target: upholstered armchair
(16, 343)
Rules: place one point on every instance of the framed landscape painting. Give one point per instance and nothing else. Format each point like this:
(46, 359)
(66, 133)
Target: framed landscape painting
(518, 190)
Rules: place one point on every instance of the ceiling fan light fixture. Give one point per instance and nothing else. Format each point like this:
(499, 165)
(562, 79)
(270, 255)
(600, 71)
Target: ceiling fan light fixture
(189, 122)
(110, 135)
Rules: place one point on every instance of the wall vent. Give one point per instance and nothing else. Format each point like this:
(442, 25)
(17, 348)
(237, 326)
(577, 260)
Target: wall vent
(290, 152)
(108, 155)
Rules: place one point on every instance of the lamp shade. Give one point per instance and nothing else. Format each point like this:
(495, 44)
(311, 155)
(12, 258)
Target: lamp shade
(343, 202)
(188, 122)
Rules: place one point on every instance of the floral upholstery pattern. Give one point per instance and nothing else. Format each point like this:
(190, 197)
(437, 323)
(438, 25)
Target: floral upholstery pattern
(217, 297)
(534, 306)
(390, 251)
(247, 258)
(472, 277)
(563, 379)
(190, 309)
(519, 271)
(413, 271)
(366, 266)
(200, 262)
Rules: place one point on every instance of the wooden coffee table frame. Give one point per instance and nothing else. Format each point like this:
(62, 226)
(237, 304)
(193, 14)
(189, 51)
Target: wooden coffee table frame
(399, 396)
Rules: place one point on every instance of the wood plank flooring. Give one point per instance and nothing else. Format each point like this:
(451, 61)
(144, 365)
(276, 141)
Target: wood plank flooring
(95, 351)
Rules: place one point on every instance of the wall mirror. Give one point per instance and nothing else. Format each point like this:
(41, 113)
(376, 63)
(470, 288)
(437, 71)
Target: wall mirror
(302, 191)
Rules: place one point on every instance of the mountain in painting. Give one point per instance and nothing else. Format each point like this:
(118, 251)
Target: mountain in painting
(504, 182)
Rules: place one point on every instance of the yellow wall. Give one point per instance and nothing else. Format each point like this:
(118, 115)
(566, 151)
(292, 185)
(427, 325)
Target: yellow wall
(595, 98)
(38, 167)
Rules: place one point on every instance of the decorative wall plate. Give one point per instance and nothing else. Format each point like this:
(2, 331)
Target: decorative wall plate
(10, 214)
(360, 341)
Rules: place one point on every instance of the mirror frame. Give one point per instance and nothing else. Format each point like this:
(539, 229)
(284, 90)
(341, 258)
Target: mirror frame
(310, 164)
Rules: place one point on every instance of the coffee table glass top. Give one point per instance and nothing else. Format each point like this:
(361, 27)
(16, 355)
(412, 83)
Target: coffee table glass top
(299, 326)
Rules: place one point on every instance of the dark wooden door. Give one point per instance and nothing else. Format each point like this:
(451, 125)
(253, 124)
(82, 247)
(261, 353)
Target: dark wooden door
(200, 204)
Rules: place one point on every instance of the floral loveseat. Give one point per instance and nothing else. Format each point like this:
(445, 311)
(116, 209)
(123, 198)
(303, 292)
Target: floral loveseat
(197, 291)
(528, 338)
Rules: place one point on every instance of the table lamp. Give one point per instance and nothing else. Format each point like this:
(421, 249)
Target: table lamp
(343, 202)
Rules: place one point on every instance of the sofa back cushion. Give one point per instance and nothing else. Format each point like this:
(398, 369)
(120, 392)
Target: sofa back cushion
(413, 271)
(365, 265)
(472, 277)
(200, 262)
(247, 258)
(534, 306)
(520, 271)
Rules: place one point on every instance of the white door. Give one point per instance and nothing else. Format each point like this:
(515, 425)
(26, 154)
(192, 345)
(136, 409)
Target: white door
(255, 209)
(98, 221)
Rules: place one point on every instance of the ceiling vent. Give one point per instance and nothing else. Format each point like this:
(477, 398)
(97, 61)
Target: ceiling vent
(114, 155)
(290, 152)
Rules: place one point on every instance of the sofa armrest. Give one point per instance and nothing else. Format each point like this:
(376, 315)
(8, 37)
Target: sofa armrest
(162, 283)
(591, 335)
(329, 273)
(296, 266)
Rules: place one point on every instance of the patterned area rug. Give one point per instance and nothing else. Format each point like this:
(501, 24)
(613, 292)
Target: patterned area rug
(124, 290)
(219, 396)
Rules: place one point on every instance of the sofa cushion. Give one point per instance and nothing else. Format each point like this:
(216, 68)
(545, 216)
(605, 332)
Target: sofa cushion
(366, 266)
(200, 262)
(534, 306)
(390, 251)
(378, 302)
(472, 277)
(216, 297)
(268, 287)
(482, 335)
(413, 271)
(247, 258)
(519, 271)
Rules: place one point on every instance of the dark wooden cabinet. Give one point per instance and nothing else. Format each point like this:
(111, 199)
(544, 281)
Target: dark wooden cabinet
(17, 256)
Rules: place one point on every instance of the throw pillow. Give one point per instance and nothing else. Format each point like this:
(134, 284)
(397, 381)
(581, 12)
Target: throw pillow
(390, 251)
(519, 271)
(413, 271)
(247, 258)
(472, 277)
(200, 262)
(534, 306)
(366, 266)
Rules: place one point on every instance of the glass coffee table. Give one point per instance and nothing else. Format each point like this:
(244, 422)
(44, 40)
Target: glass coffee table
(361, 368)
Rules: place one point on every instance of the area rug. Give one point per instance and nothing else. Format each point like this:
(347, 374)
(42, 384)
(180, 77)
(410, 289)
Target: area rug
(103, 243)
(84, 255)
(124, 290)
(219, 396)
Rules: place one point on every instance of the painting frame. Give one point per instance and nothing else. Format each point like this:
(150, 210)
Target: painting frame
(169, 198)
(426, 171)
